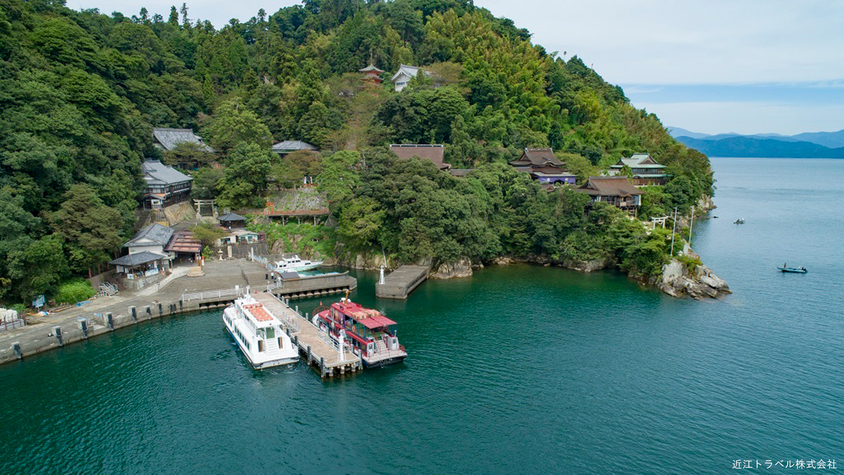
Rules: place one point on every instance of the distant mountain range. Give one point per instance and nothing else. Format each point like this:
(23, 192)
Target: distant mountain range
(805, 145)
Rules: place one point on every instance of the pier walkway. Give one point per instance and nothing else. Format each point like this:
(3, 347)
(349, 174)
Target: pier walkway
(401, 282)
(313, 345)
(222, 282)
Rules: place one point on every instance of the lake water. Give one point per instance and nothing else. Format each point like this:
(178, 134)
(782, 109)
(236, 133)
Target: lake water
(518, 369)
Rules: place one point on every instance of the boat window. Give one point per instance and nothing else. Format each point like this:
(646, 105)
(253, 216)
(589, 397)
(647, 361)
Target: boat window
(280, 343)
(270, 333)
(260, 345)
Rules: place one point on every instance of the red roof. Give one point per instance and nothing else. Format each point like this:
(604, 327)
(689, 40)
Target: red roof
(259, 312)
(184, 241)
(365, 316)
(376, 322)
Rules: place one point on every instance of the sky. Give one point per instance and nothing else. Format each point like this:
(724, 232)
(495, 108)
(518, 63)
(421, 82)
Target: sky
(713, 66)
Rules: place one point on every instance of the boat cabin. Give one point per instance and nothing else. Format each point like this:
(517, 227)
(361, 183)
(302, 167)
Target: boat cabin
(260, 323)
(369, 331)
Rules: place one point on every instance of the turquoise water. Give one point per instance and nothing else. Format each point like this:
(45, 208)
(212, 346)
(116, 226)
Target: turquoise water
(519, 369)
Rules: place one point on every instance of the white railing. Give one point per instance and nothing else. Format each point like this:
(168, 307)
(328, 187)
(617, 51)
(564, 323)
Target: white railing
(211, 294)
(290, 322)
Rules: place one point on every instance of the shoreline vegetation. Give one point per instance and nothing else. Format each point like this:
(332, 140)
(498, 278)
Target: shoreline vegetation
(82, 92)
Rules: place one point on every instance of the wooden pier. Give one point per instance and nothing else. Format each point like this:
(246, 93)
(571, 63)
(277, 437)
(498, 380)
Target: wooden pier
(315, 346)
(401, 282)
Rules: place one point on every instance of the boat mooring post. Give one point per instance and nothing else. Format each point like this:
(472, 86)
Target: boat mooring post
(58, 332)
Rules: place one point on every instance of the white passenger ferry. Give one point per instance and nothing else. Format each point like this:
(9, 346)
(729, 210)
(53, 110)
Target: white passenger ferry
(292, 263)
(258, 334)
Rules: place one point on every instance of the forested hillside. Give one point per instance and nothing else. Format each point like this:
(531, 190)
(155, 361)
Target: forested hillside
(80, 93)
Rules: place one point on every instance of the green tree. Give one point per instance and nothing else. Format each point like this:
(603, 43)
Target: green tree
(232, 124)
(206, 183)
(189, 156)
(86, 226)
(245, 180)
(207, 233)
(360, 222)
(38, 268)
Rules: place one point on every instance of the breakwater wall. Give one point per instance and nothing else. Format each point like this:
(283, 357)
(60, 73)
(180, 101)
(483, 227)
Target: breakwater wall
(34, 339)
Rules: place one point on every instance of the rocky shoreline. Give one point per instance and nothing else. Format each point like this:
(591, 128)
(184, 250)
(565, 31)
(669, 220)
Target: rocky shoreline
(677, 281)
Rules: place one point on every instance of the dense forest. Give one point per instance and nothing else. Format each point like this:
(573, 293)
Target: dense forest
(80, 93)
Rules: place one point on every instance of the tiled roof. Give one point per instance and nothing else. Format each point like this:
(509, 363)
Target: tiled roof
(370, 68)
(157, 173)
(432, 152)
(154, 234)
(231, 217)
(137, 259)
(170, 138)
(292, 146)
(639, 160)
(609, 186)
(538, 157)
(410, 71)
(183, 241)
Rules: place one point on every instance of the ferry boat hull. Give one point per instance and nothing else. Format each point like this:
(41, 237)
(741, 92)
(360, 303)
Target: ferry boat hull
(273, 347)
(264, 364)
(384, 362)
(294, 264)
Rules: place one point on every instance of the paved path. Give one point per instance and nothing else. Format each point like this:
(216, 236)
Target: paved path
(219, 275)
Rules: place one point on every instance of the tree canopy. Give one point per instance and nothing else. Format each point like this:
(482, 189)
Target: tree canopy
(81, 91)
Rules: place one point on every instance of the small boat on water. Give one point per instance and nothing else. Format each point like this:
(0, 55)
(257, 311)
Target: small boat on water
(292, 263)
(368, 333)
(792, 270)
(258, 334)
(739, 221)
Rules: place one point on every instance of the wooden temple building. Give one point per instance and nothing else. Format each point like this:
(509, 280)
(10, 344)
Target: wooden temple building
(543, 166)
(614, 190)
(371, 76)
(433, 152)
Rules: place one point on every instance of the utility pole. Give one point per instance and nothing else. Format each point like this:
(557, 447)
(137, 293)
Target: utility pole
(690, 227)
(673, 228)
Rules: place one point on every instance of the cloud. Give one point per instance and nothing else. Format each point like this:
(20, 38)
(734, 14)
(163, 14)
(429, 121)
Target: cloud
(670, 42)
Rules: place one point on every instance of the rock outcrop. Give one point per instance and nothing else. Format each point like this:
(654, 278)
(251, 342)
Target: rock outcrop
(677, 281)
(502, 261)
(450, 270)
(587, 266)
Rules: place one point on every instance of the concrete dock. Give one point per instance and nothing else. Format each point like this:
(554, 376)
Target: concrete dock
(315, 347)
(401, 282)
(222, 282)
(314, 285)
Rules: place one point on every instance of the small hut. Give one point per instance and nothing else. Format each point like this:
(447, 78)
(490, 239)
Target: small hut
(232, 220)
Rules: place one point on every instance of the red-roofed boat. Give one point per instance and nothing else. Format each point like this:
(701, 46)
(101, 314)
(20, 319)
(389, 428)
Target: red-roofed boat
(368, 333)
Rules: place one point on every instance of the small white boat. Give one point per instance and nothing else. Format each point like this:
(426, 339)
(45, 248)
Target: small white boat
(292, 263)
(258, 334)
